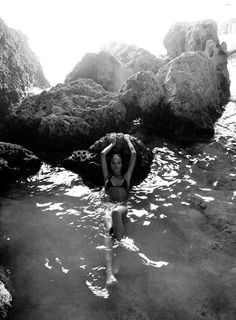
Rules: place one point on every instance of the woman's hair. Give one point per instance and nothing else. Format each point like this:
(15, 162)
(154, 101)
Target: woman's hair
(116, 155)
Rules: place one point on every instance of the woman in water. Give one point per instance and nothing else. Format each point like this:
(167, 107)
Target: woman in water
(117, 188)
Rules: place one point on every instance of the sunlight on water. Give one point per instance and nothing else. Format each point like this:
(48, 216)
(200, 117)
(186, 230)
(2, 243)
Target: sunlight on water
(53, 226)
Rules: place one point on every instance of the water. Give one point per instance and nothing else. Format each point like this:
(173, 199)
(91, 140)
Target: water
(177, 261)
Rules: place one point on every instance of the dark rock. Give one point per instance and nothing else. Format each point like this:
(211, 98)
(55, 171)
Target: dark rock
(19, 68)
(67, 117)
(103, 68)
(16, 162)
(88, 164)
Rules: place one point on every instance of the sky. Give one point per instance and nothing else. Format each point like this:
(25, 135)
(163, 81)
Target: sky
(61, 32)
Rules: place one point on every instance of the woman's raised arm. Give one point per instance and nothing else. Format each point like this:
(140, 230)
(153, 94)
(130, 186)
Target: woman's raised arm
(104, 154)
(132, 159)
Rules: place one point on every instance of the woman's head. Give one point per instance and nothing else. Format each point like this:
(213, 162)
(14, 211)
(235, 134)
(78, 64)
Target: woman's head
(116, 164)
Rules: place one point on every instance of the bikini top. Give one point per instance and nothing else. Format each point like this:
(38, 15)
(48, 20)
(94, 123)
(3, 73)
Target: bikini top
(109, 185)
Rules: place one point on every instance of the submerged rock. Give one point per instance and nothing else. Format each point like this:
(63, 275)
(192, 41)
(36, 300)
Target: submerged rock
(103, 68)
(16, 162)
(67, 117)
(19, 69)
(191, 104)
(88, 164)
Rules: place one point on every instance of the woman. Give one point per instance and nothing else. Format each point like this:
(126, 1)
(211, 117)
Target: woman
(117, 188)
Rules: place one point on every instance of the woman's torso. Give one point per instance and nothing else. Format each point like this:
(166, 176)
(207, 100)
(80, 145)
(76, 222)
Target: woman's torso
(117, 189)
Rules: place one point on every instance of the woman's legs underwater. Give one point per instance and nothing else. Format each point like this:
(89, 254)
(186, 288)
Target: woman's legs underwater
(114, 225)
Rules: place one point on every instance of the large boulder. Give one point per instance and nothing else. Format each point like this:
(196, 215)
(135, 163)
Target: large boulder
(67, 117)
(201, 35)
(16, 162)
(88, 164)
(141, 94)
(20, 69)
(192, 102)
(134, 58)
(189, 36)
(103, 68)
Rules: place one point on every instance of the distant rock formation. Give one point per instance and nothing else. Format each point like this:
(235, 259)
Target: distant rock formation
(228, 27)
(67, 117)
(135, 58)
(16, 162)
(186, 36)
(88, 164)
(103, 68)
(19, 68)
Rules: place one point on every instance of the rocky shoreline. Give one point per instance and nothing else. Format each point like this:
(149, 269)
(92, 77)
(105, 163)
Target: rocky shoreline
(178, 97)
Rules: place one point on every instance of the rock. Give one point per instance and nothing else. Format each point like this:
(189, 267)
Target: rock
(141, 94)
(5, 293)
(19, 69)
(219, 56)
(67, 117)
(183, 37)
(88, 164)
(135, 58)
(201, 35)
(16, 162)
(103, 68)
(191, 104)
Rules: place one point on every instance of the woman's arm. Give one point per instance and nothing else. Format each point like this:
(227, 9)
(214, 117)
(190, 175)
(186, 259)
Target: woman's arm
(104, 154)
(132, 159)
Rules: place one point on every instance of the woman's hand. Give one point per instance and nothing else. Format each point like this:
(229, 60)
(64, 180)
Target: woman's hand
(126, 137)
(113, 139)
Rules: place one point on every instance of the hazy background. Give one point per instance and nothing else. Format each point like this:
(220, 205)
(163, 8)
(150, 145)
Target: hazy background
(60, 32)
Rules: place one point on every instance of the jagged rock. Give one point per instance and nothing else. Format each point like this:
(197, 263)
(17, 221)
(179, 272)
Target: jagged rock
(184, 36)
(191, 104)
(135, 58)
(218, 54)
(15, 162)
(88, 164)
(103, 68)
(141, 94)
(19, 68)
(67, 117)
(5, 293)
(201, 35)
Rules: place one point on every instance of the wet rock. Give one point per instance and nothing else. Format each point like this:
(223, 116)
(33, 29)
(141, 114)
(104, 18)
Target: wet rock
(183, 37)
(198, 203)
(141, 94)
(88, 164)
(103, 68)
(191, 104)
(15, 162)
(67, 117)
(5, 293)
(19, 68)
(135, 58)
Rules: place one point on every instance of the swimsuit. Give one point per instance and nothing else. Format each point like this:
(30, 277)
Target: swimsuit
(109, 185)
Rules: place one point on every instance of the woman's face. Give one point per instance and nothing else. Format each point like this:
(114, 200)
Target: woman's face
(116, 165)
